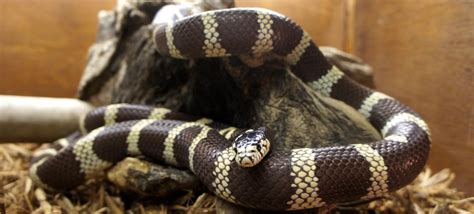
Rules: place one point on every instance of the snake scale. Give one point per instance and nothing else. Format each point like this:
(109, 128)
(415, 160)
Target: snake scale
(297, 179)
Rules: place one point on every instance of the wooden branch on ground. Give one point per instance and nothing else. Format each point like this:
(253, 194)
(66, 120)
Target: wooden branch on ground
(39, 119)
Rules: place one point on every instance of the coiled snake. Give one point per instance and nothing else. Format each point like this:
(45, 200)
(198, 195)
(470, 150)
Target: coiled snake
(284, 180)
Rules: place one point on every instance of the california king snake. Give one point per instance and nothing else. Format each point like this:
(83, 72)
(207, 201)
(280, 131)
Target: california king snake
(284, 180)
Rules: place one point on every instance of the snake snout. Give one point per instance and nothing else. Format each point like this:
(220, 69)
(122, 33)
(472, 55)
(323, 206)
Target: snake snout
(246, 161)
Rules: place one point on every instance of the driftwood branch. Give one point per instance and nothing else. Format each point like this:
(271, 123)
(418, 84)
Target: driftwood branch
(352, 65)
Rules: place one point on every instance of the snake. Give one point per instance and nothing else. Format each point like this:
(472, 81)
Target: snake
(294, 179)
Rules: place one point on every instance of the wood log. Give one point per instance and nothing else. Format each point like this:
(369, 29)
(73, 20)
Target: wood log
(39, 119)
(222, 89)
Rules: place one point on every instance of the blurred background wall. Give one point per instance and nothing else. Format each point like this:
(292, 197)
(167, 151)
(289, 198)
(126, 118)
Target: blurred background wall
(422, 54)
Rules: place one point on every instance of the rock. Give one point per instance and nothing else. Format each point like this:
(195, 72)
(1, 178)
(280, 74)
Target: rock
(148, 179)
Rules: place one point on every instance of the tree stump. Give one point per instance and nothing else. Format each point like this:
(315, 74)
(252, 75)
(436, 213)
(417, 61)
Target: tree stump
(124, 67)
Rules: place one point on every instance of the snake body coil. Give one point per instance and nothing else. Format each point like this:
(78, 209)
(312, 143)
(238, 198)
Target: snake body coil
(284, 180)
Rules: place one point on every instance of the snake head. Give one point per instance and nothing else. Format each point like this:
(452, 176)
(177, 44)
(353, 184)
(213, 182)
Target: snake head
(251, 146)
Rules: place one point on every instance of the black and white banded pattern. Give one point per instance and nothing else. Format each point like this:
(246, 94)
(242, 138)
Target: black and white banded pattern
(284, 180)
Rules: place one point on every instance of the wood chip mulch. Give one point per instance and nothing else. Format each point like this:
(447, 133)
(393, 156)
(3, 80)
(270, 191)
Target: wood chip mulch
(429, 193)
